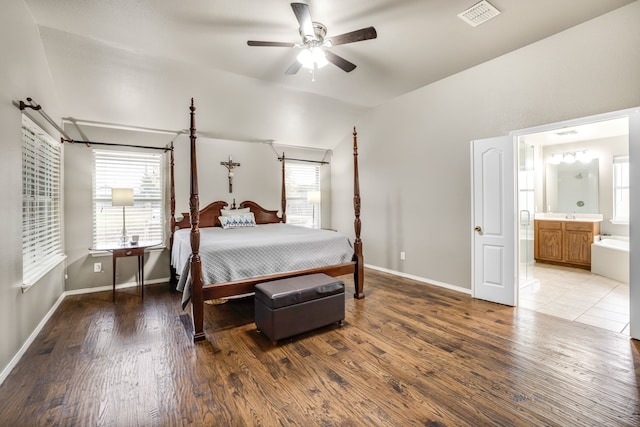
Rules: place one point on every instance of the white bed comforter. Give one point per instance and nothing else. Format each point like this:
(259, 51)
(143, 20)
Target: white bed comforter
(242, 253)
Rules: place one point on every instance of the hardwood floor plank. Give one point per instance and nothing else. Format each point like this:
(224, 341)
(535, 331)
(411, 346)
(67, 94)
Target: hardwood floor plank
(408, 354)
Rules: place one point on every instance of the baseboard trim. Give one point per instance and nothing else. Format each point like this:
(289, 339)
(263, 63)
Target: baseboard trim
(421, 279)
(120, 286)
(14, 361)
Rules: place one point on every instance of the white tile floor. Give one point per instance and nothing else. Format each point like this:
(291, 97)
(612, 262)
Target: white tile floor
(578, 295)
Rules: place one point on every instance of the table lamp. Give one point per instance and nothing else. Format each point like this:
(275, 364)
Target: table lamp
(122, 197)
(313, 198)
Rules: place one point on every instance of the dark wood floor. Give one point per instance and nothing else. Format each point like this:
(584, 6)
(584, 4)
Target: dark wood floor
(409, 354)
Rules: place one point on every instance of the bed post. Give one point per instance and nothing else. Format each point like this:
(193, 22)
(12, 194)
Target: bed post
(283, 200)
(172, 206)
(197, 302)
(358, 275)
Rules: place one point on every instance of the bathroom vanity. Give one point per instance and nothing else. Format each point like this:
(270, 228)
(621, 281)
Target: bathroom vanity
(565, 241)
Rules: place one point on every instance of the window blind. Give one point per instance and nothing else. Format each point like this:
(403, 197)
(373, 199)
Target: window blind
(621, 188)
(301, 180)
(143, 172)
(42, 247)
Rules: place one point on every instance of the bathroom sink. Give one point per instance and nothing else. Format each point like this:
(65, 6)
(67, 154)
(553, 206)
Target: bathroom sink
(549, 216)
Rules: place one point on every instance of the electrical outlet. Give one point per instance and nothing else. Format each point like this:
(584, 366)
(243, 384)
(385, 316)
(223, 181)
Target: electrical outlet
(402, 256)
(97, 267)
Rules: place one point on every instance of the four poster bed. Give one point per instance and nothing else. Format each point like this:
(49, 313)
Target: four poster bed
(214, 263)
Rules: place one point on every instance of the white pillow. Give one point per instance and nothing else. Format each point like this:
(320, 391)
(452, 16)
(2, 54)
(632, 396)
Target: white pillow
(229, 212)
(237, 221)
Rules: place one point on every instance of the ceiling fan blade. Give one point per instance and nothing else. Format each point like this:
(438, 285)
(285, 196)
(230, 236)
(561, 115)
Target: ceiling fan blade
(301, 10)
(340, 61)
(293, 68)
(276, 44)
(354, 36)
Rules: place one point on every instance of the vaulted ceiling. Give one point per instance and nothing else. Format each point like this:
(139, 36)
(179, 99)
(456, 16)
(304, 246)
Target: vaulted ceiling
(137, 63)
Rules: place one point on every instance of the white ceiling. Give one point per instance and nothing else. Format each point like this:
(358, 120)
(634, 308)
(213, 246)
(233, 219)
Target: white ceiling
(137, 63)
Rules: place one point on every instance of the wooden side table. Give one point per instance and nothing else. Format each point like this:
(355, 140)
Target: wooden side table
(119, 251)
(126, 252)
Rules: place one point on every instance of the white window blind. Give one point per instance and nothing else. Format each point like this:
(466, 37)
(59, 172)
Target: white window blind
(302, 183)
(621, 188)
(141, 171)
(41, 202)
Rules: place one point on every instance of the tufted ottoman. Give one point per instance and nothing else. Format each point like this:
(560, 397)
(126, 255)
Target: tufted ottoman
(288, 307)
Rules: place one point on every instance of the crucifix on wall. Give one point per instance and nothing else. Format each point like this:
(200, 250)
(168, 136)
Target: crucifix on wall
(230, 166)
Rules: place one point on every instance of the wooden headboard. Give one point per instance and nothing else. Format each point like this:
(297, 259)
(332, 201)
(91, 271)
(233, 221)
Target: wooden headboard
(210, 213)
(263, 216)
(208, 216)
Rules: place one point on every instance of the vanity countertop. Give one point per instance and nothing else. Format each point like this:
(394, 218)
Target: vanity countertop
(569, 217)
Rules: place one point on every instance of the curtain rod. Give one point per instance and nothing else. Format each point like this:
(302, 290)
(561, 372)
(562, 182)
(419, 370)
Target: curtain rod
(322, 162)
(66, 138)
(35, 107)
(114, 144)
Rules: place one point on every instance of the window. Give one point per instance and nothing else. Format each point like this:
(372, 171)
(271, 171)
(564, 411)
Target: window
(143, 172)
(621, 189)
(41, 202)
(303, 194)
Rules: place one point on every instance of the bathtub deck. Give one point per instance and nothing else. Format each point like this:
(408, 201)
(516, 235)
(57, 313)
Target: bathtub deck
(610, 261)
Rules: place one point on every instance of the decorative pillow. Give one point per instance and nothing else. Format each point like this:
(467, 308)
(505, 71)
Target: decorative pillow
(230, 212)
(237, 221)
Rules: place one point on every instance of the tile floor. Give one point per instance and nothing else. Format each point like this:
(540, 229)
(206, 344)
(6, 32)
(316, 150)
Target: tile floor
(578, 295)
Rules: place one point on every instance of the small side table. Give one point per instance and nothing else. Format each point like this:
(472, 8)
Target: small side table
(126, 250)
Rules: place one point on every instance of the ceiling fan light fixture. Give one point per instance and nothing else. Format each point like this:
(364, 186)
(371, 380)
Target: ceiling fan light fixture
(319, 57)
(312, 58)
(305, 58)
(312, 34)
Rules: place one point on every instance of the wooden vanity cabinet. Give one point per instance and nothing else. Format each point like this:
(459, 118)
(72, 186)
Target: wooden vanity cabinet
(548, 241)
(565, 242)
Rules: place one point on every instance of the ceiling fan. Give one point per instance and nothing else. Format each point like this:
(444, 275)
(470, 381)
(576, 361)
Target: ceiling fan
(313, 54)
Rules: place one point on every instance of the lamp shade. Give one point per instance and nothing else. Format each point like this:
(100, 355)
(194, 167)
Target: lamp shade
(313, 197)
(122, 197)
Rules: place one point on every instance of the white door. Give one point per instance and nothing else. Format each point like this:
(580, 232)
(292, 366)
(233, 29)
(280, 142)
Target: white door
(493, 214)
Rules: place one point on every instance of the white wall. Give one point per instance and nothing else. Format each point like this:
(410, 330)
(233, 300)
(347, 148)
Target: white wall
(23, 73)
(414, 151)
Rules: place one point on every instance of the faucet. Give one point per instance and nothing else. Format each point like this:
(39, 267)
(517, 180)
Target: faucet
(570, 215)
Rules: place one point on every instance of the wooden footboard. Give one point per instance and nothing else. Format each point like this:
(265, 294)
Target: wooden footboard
(245, 286)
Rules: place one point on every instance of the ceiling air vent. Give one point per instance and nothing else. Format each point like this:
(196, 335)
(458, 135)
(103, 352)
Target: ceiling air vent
(479, 13)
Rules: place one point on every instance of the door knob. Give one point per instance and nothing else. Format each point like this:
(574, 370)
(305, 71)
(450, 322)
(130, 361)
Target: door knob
(478, 229)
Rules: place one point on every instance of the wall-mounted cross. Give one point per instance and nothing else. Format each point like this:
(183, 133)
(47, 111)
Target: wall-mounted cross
(230, 166)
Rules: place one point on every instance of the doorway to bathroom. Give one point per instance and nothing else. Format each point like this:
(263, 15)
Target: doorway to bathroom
(572, 192)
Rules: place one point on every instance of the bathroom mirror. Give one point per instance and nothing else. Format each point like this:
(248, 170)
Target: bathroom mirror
(572, 187)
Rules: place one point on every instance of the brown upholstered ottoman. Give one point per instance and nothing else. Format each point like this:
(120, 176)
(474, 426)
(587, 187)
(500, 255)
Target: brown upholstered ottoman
(288, 307)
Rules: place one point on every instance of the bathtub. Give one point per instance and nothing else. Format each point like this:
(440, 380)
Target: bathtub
(610, 258)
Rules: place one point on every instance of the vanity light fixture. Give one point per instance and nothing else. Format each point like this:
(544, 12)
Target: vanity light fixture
(584, 156)
(555, 159)
(569, 157)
